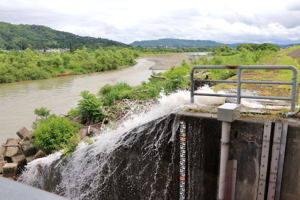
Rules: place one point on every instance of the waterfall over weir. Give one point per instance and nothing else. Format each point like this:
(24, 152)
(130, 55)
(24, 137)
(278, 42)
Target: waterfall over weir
(138, 160)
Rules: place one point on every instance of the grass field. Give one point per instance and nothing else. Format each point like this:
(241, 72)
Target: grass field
(281, 58)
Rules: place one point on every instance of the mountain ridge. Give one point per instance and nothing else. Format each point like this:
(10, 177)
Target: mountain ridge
(22, 36)
(176, 43)
(185, 43)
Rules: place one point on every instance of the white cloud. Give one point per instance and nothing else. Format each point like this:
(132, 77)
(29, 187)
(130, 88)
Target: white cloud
(129, 20)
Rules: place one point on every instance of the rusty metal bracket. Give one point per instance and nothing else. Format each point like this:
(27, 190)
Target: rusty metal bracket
(264, 161)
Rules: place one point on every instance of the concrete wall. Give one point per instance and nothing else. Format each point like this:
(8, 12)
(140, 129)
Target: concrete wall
(146, 164)
(203, 136)
(203, 140)
(291, 172)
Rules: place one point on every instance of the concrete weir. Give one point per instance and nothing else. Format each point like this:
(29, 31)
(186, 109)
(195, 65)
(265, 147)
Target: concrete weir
(177, 157)
(257, 177)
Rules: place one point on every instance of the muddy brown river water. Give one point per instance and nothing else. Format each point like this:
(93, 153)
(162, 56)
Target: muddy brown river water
(18, 100)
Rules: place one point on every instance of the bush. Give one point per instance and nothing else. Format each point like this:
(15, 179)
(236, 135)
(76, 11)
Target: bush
(42, 112)
(223, 51)
(73, 113)
(90, 108)
(53, 133)
(71, 145)
(110, 93)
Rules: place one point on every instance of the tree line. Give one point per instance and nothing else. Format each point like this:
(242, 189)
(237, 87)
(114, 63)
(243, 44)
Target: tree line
(226, 50)
(33, 65)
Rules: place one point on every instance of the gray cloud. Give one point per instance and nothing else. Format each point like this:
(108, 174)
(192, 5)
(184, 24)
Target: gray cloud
(188, 23)
(294, 7)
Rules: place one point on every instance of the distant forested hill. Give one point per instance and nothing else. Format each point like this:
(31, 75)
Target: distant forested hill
(176, 43)
(20, 37)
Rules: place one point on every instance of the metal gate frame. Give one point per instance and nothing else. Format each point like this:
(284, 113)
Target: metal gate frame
(239, 82)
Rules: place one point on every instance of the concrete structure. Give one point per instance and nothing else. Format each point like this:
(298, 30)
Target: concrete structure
(246, 142)
(146, 171)
(12, 190)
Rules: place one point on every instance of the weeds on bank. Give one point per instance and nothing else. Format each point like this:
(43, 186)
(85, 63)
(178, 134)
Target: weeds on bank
(93, 108)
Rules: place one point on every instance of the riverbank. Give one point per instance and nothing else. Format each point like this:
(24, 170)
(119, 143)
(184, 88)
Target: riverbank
(100, 108)
(167, 61)
(33, 65)
(18, 100)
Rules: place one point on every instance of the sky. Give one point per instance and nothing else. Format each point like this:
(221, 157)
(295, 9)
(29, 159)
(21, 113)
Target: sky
(228, 21)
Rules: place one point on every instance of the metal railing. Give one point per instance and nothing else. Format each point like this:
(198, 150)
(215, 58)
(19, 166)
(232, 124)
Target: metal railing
(239, 82)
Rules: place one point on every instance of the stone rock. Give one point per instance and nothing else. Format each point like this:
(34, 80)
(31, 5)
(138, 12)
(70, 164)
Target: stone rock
(2, 163)
(10, 170)
(39, 154)
(91, 131)
(2, 150)
(12, 147)
(83, 133)
(27, 148)
(29, 159)
(24, 133)
(20, 159)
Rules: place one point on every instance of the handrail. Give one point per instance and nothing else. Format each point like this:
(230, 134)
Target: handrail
(239, 81)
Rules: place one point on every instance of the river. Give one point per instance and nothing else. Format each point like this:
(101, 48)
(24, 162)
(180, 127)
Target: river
(18, 100)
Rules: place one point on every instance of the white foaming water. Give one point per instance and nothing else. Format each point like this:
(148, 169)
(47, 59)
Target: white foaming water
(250, 103)
(81, 163)
(35, 166)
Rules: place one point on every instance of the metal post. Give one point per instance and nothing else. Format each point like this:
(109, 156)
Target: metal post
(227, 113)
(239, 86)
(294, 90)
(192, 86)
(182, 178)
(224, 158)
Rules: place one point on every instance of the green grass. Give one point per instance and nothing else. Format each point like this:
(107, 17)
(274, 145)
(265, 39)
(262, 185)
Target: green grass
(289, 50)
(279, 58)
(179, 78)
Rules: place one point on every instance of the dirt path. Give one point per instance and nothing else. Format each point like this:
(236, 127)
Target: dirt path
(294, 54)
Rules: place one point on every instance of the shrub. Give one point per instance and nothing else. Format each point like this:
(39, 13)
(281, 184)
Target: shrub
(73, 112)
(42, 112)
(120, 91)
(53, 133)
(90, 108)
(223, 51)
(71, 145)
